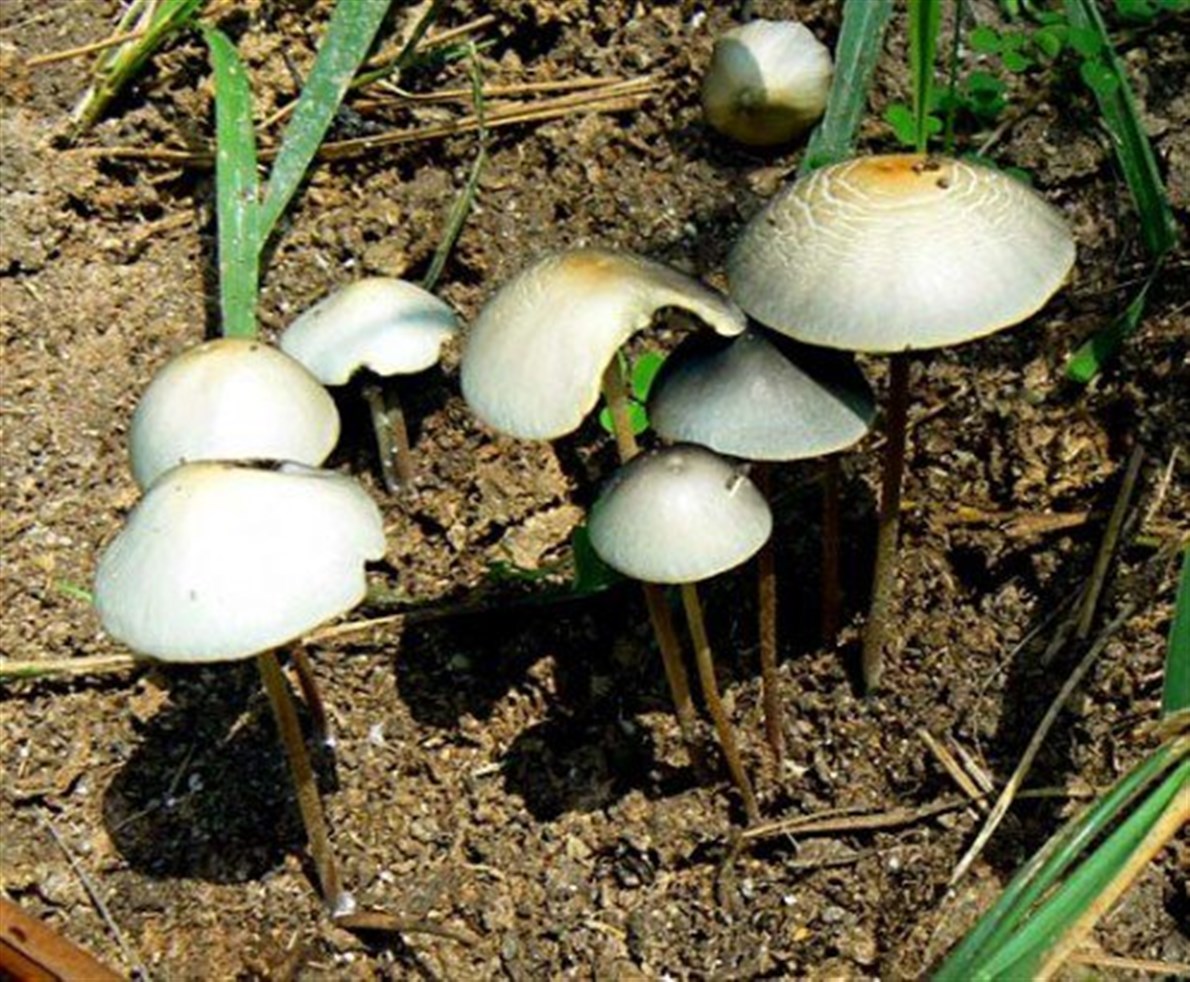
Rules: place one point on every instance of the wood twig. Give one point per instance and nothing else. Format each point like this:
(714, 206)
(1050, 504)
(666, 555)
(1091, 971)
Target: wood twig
(1000, 809)
(952, 767)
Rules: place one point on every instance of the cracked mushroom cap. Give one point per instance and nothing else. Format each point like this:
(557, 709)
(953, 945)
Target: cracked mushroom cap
(678, 515)
(231, 399)
(749, 398)
(220, 561)
(389, 326)
(900, 252)
(535, 356)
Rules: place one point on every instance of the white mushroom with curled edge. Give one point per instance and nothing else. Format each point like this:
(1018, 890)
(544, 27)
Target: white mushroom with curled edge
(231, 399)
(386, 327)
(222, 561)
(768, 81)
(763, 398)
(679, 515)
(895, 254)
(534, 359)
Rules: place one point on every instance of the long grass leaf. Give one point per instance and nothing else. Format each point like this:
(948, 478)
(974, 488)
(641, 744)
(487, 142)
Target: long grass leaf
(236, 189)
(925, 18)
(115, 69)
(1022, 956)
(349, 35)
(1051, 862)
(1092, 355)
(861, 40)
(1105, 75)
(1176, 694)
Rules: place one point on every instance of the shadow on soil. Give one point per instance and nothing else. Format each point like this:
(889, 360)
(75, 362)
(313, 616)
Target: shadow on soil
(207, 793)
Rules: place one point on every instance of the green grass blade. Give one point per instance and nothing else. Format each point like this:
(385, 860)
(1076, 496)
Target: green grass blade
(349, 35)
(462, 205)
(236, 189)
(1046, 868)
(925, 19)
(1092, 355)
(1176, 695)
(116, 68)
(861, 41)
(1105, 75)
(1021, 957)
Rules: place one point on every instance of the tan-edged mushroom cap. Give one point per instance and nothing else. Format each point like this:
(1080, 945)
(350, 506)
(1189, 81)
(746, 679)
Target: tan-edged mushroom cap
(231, 399)
(678, 515)
(389, 326)
(896, 253)
(749, 398)
(221, 561)
(535, 356)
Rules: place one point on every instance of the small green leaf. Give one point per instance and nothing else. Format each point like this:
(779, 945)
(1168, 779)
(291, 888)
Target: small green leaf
(591, 574)
(904, 126)
(984, 83)
(1086, 41)
(1089, 360)
(644, 372)
(637, 417)
(1049, 41)
(1013, 40)
(1016, 62)
(985, 40)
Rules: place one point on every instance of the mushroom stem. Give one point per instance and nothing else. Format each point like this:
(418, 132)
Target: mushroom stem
(832, 593)
(659, 612)
(392, 436)
(884, 576)
(766, 594)
(309, 802)
(710, 691)
(311, 693)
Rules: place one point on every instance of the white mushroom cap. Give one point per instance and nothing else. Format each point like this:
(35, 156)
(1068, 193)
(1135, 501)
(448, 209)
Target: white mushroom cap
(678, 515)
(389, 326)
(897, 253)
(767, 82)
(221, 561)
(749, 398)
(231, 399)
(535, 356)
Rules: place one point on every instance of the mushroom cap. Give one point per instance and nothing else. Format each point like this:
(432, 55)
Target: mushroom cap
(678, 515)
(535, 356)
(750, 398)
(767, 82)
(221, 561)
(901, 252)
(389, 326)
(231, 399)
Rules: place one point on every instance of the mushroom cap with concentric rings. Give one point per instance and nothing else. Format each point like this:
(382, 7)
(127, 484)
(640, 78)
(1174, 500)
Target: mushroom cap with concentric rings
(535, 356)
(900, 252)
(678, 515)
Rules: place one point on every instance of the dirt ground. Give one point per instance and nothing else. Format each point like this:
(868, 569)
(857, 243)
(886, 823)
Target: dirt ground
(511, 769)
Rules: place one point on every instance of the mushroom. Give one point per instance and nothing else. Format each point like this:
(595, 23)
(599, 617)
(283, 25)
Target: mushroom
(767, 82)
(546, 343)
(232, 398)
(222, 561)
(895, 254)
(387, 327)
(679, 515)
(761, 398)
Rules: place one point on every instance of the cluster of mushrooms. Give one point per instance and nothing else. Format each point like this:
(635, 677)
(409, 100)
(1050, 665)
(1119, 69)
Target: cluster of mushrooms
(241, 543)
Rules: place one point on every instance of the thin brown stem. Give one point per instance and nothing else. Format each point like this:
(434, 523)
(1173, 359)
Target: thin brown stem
(400, 434)
(659, 612)
(766, 596)
(387, 446)
(710, 691)
(315, 705)
(832, 592)
(309, 802)
(884, 577)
